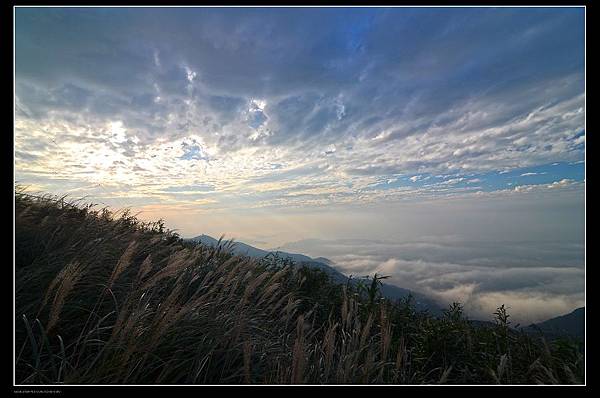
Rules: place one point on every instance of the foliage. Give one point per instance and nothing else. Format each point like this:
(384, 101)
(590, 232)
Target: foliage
(103, 298)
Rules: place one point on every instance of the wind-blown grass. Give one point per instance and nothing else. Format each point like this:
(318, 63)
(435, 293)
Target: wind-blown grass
(103, 298)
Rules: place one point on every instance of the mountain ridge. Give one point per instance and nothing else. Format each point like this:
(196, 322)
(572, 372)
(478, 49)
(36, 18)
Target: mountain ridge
(570, 324)
(389, 291)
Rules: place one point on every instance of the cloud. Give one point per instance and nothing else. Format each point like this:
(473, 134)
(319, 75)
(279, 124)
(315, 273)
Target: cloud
(524, 188)
(452, 181)
(562, 183)
(544, 280)
(204, 81)
(192, 151)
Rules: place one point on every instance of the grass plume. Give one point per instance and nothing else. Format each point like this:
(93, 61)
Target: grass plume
(104, 298)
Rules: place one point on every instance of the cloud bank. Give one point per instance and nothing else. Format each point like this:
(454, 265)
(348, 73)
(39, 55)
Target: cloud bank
(535, 280)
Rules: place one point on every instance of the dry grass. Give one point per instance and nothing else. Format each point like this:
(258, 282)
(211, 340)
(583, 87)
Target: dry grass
(128, 302)
(66, 282)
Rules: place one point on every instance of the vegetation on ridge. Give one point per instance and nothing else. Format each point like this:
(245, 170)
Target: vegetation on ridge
(104, 298)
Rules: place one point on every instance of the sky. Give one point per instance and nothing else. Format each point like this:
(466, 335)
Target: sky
(428, 130)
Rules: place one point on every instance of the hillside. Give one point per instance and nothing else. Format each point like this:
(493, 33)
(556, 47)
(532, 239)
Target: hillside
(571, 324)
(247, 250)
(103, 298)
(391, 292)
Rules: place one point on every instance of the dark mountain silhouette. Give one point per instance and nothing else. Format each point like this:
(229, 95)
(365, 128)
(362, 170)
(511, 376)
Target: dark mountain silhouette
(571, 324)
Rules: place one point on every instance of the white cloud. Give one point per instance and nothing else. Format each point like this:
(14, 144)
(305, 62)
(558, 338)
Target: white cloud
(258, 104)
(480, 275)
(524, 188)
(451, 181)
(157, 59)
(190, 74)
(330, 149)
(562, 183)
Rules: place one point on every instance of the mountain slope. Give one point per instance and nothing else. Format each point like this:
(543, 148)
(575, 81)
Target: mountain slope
(251, 251)
(392, 292)
(571, 324)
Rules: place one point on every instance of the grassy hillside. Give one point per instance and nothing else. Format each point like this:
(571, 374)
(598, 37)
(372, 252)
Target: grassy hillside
(103, 298)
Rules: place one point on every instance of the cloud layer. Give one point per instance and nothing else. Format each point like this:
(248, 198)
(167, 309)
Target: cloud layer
(316, 103)
(535, 280)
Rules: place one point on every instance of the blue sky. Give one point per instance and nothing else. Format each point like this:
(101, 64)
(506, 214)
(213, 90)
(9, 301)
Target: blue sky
(276, 125)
